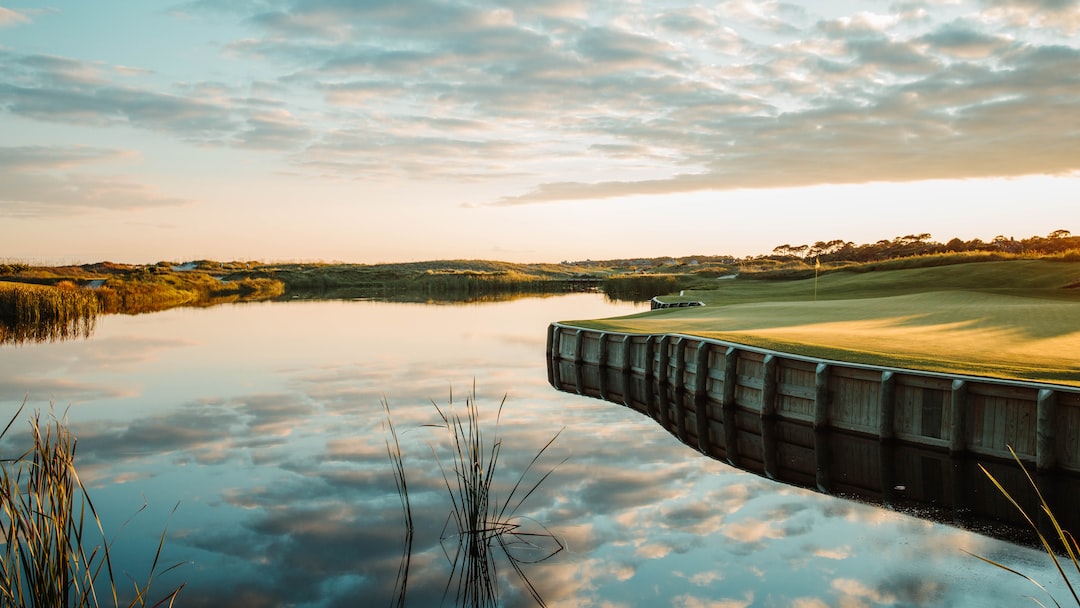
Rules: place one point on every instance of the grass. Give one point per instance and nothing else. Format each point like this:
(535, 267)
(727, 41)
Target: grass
(1062, 548)
(45, 312)
(1013, 319)
(43, 305)
(641, 287)
(55, 553)
(480, 526)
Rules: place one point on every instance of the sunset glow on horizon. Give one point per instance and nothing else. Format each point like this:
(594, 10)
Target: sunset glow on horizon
(384, 131)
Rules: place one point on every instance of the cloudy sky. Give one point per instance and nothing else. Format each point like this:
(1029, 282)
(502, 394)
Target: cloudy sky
(529, 130)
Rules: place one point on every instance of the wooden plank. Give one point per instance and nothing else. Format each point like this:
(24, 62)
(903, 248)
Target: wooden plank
(855, 403)
(931, 382)
(1004, 391)
(857, 373)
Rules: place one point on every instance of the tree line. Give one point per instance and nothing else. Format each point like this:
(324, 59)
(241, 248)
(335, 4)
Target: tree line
(1058, 241)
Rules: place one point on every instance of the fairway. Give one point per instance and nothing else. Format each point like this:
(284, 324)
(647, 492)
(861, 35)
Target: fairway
(1016, 320)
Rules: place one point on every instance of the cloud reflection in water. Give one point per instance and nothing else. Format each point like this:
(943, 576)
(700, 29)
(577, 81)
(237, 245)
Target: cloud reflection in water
(273, 443)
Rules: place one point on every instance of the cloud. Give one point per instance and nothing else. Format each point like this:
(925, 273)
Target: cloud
(1060, 15)
(944, 123)
(962, 40)
(67, 90)
(10, 17)
(575, 101)
(41, 181)
(690, 601)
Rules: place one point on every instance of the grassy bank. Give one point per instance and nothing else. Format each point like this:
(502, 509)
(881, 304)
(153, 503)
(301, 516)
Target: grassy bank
(442, 280)
(1010, 319)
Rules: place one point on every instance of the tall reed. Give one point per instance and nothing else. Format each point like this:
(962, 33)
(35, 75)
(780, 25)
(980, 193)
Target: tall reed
(1062, 540)
(45, 312)
(55, 553)
(482, 528)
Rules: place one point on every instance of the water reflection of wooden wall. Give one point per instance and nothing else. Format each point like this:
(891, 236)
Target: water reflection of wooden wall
(885, 436)
(726, 390)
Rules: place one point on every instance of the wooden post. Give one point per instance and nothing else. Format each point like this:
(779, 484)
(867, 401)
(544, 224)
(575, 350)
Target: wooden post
(768, 416)
(627, 362)
(887, 466)
(887, 402)
(552, 355)
(768, 387)
(601, 375)
(663, 408)
(602, 355)
(650, 352)
(768, 446)
(958, 405)
(727, 404)
(554, 377)
(731, 370)
(679, 371)
(663, 358)
(701, 377)
(678, 403)
(701, 401)
(579, 378)
(1045, 444)
(579, 346)
(822, 461)
(821, 397)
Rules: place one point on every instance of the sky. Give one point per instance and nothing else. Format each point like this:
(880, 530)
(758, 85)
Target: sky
(372, 131)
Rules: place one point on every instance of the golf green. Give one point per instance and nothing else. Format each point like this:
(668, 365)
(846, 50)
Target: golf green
(1017, 320)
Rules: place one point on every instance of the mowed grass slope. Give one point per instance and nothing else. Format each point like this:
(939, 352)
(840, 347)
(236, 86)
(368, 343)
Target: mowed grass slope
(1015, 319)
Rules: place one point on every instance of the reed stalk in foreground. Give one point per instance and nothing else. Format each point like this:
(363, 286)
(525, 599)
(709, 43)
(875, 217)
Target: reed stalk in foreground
(481, 526)
(1068, 561)
(55, 553)
(397, 459)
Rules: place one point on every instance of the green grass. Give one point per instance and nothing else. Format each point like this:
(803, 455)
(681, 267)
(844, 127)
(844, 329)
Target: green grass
(1013, 319)
(55, 553)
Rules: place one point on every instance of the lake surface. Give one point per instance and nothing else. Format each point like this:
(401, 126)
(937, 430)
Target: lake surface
(265, 423)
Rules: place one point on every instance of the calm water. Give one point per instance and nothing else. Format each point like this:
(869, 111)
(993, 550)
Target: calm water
(264, 422)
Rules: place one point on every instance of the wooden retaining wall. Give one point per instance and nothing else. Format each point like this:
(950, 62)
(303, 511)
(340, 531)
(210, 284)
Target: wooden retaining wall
(728, 396)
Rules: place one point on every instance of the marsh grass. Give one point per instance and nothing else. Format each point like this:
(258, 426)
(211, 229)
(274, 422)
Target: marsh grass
(55, 552)
(642, 287)
(41, 313)
(482, 528)
(1061, 546)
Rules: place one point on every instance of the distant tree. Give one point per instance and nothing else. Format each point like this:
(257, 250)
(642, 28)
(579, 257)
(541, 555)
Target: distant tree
(1059, 234)
(782, 250)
